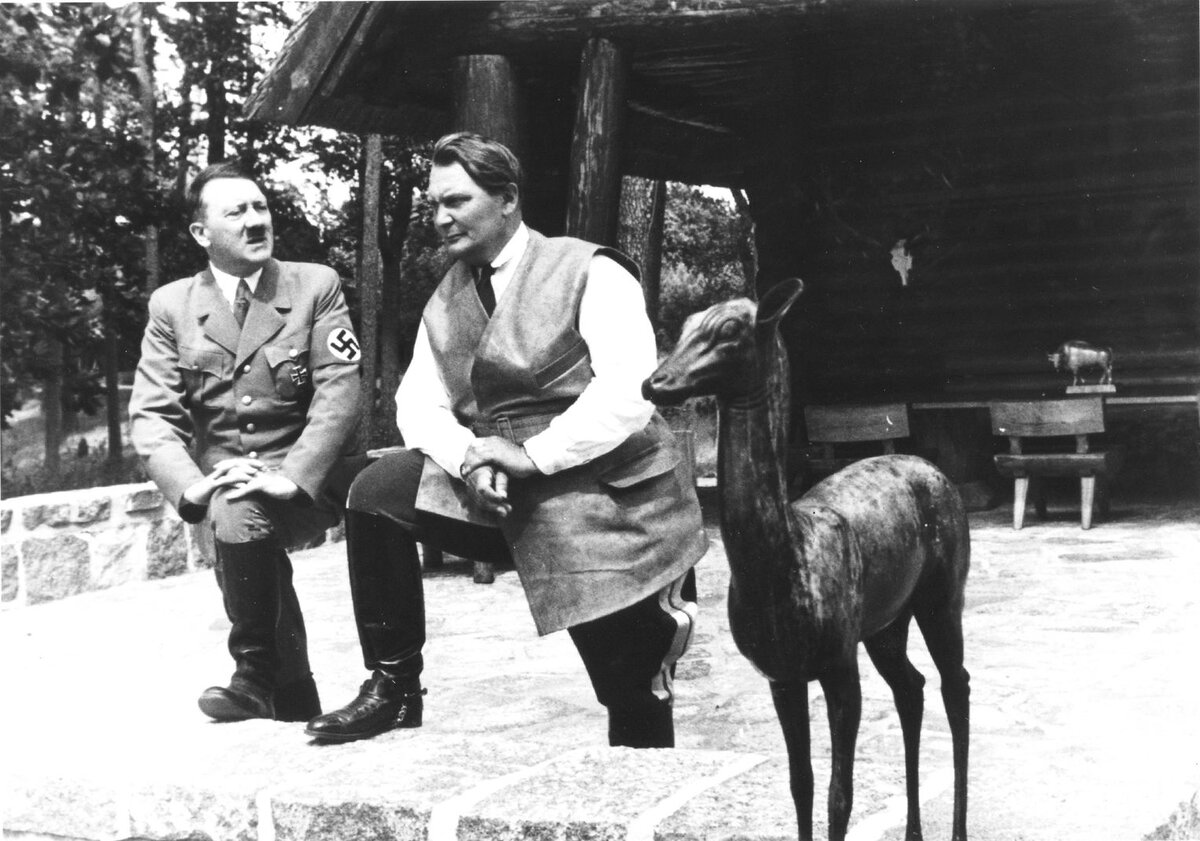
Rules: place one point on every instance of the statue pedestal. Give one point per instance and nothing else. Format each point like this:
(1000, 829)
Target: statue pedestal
(1107, 388)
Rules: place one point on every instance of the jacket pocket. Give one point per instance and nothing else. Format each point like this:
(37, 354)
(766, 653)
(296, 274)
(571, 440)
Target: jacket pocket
(289, 370)
(201, 370)
(645, 465)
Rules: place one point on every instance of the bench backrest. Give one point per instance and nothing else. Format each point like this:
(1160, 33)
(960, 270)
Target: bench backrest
(1042, 418)
(843, 424)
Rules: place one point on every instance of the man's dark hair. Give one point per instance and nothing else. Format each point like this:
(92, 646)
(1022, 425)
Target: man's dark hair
(224, 169)
(491, 164)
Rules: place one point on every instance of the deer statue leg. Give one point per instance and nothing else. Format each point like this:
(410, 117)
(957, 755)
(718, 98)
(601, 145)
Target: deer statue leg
(791, 706)
(942, 628)
(843, 697)
(889, 653)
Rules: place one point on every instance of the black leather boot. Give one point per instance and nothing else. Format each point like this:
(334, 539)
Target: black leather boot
(648, 726)
(250, 586)
(297, 700)
(383, 703)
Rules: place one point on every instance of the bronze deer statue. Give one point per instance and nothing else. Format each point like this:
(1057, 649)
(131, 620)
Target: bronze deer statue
(855, 558)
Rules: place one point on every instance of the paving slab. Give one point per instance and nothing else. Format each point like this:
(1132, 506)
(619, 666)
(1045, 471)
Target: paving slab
(1084, 713)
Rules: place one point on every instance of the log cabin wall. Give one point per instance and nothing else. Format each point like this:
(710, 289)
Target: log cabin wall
(1040, 169)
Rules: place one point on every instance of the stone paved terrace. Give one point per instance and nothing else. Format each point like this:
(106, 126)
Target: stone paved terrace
(1081, 647)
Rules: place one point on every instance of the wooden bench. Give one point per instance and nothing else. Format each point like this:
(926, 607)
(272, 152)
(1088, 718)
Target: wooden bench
(1045, 419)
(829, 427)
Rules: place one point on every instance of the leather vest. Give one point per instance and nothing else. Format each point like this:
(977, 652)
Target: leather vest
(592, 539)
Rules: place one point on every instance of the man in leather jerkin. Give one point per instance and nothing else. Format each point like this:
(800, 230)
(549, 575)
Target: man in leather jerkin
(527, 438)
(244, 410)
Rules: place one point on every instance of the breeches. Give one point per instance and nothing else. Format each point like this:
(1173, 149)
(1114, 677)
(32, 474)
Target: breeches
(629, 654)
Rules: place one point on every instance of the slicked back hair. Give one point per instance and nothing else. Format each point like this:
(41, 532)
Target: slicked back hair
(491, 164)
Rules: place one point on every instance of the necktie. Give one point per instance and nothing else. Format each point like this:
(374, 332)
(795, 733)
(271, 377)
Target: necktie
(241, 302)
(487, 295)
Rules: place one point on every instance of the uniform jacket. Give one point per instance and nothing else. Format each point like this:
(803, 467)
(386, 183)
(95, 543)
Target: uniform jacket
(592, 539)
(284, 389)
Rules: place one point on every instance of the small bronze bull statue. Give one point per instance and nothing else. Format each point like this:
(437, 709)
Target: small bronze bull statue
(1076, 355)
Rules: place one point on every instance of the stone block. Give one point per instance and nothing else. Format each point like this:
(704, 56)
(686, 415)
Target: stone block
(67, 806)
(146, 499)
(188, 811)
(166, 549)
(55, 567)
(114, 557)
(10, 579)
(358, 819)
(34, 515)
(61, 514)
(589, 795)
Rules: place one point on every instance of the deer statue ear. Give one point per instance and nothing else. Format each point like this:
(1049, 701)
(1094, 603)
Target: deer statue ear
(778, 301)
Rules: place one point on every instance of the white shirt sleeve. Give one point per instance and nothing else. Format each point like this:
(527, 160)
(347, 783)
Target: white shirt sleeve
(423, 411)
(620, 340)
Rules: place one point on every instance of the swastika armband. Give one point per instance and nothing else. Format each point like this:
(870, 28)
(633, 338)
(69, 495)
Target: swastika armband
(339, 345)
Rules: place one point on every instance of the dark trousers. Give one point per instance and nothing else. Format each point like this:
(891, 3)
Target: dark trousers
(629, 655)
(276, 525)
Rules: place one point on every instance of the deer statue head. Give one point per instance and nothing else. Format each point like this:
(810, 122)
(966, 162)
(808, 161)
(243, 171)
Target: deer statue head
(726, 350)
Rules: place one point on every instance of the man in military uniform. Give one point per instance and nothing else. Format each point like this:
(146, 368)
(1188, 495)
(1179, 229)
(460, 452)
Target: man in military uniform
(528, 437)
(244, 408)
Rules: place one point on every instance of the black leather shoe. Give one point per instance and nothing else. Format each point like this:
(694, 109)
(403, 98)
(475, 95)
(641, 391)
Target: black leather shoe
(381, 705)
(233, 703)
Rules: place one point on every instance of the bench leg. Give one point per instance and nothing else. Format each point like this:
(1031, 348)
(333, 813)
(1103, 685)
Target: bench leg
(484, 572)
(1020, 493)
(1087, 496)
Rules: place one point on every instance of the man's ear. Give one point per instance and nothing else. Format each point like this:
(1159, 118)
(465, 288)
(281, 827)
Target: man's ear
(512, 198)
(199, 233)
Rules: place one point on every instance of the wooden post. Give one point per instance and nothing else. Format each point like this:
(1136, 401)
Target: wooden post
(595, 172)
(486, 100)
(370, 288)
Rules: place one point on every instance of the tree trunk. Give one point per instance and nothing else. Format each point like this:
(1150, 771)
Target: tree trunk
(144, 70)
(370, 283)
(112, 384)
(218, 114)
(747, 250)
(52, 405)
(392, 359)
(640, 234)
(181, 162)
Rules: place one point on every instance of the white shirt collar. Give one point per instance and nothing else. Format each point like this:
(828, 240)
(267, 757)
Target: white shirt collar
(515, 247)
(227, 283)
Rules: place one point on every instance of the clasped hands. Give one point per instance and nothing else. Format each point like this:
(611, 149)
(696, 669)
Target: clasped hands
(487, 467)
(245, 476)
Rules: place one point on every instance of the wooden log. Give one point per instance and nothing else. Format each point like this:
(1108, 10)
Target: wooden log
(486, 99)
(595, 171)
(370, 276)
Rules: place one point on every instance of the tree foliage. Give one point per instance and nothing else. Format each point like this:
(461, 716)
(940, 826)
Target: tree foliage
(92, 172)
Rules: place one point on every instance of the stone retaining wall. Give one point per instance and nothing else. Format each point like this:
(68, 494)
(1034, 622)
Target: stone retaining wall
(61, 544)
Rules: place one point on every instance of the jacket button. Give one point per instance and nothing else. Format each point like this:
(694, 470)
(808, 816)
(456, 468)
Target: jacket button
(250, 427)
(252, 454)
(246, 368)
(293, 353)
(246, 400)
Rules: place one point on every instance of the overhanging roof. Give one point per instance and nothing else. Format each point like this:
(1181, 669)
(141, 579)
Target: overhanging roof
(708, 77)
